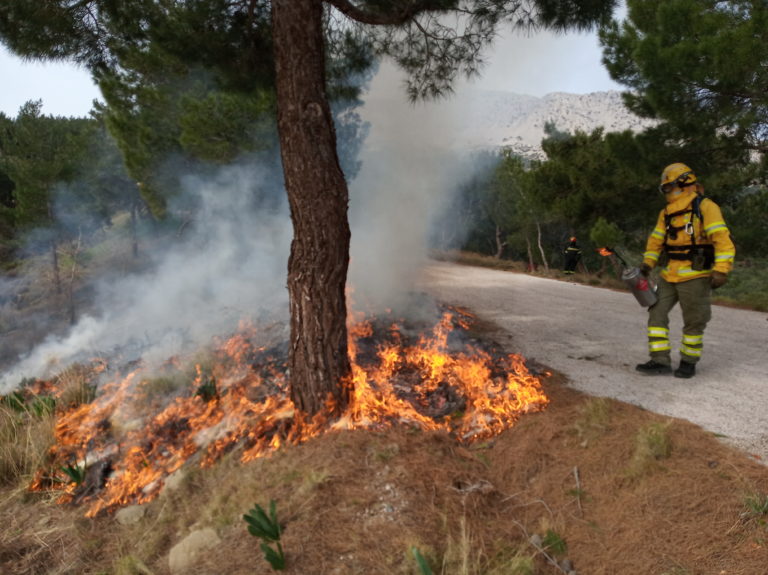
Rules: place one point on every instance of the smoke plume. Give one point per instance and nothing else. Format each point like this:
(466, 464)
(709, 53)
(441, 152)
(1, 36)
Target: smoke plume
(228, 266)
(230, 262)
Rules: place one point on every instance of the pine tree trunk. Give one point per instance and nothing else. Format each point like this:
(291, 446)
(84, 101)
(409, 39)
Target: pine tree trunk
(531, 264)
(318, 198)
(72, 276)
(54, 250)
(134, 229)
(541, 248)
(499, 243)
(55, 265)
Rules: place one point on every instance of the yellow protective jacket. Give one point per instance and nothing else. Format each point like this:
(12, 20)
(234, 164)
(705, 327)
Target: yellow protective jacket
(709, 230)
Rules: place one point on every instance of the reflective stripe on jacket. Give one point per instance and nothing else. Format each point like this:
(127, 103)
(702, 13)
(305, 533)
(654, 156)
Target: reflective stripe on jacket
(713, 232)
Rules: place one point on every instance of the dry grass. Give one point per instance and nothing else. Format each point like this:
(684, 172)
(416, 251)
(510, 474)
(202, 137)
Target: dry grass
(26, 436)
(592, 421)
(652, 444)
(75, 386)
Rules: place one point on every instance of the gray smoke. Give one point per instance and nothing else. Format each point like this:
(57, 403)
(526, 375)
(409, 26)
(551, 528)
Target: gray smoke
(228, 266)
(230, 263)
(413, 164)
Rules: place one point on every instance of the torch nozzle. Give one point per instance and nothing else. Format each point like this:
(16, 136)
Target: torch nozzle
(606, 251)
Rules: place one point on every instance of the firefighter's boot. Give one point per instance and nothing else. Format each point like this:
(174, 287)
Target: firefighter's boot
(653, 367)
(685, 370)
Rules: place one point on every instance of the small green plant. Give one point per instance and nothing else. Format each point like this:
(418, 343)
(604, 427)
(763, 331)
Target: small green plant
(207, 391)
(509, 560)
(652, 443)
(36, 405)
(577, 493)
(553, 543)
(592, 421)
(75, 473)
(43, 405)
(267, 528)
(422, 563)
(14, 400)
(756, 508)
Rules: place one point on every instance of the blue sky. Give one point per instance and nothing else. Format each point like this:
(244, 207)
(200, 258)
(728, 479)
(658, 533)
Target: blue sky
(535, 65)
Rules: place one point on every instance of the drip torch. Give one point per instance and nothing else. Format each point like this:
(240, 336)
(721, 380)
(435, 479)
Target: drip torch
(643, 288)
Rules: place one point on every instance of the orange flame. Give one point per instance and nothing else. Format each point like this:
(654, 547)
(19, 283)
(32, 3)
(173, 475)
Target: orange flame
(240, 400)
(605, 251)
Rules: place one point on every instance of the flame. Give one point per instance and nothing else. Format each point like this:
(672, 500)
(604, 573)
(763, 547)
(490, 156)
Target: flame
(140, 430)
(605, 251)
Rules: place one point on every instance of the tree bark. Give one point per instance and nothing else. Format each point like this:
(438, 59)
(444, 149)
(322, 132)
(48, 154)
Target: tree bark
(72, 276)
(134, 229)
(541, 248)
(318, 198)
(531, 264)
(500, 244)
(55, 265)
(54, 250)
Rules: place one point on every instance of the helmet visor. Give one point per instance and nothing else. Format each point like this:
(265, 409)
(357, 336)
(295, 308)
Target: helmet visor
(668, 187)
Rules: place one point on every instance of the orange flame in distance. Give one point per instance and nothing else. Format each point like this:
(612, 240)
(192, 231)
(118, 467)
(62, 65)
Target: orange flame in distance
(239, 400)
(605, 251)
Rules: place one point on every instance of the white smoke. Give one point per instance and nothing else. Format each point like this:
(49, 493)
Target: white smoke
(413, 164)
(231, 262)
(229, 266)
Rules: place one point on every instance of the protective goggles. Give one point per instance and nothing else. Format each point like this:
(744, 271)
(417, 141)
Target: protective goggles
(668, 187)
(681, 182)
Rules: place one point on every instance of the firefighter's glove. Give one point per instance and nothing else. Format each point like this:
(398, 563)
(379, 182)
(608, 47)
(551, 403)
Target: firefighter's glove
(645, 269)
(718, 279)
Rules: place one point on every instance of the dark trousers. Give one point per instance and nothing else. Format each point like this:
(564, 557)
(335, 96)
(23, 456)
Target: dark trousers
(570, 264)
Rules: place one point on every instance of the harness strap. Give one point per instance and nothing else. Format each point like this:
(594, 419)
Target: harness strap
(695, 210)
(705, 252)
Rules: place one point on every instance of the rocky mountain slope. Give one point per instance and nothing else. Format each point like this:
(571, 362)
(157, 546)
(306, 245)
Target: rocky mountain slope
(502, 119)
(477, 119)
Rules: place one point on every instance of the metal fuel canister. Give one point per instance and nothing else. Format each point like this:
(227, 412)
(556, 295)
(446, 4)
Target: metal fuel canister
(643, 288)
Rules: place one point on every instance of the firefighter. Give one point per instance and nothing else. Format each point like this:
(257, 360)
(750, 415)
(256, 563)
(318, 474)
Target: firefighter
(693, 246)
(572, 253)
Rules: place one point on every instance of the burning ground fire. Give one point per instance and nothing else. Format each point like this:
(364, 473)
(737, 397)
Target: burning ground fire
(120, 448)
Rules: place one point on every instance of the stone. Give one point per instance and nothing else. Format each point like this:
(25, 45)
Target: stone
(130, 515)
(185, 552)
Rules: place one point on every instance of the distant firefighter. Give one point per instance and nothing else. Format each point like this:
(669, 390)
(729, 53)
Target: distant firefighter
(572, 253)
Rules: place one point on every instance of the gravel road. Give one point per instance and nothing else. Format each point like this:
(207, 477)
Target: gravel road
(596, 336)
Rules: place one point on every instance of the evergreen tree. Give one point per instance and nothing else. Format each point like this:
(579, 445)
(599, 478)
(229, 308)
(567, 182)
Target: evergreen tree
(592, 175)
(700, 67)
(294, 33)
(7, 200)
(39, 153)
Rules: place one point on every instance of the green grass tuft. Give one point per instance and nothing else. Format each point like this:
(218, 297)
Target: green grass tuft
(652, 443)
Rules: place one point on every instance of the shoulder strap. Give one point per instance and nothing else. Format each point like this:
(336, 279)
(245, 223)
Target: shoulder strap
(694, 208)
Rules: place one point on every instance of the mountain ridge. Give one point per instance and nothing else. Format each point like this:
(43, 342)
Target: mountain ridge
(516, 122)
(493, 119)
